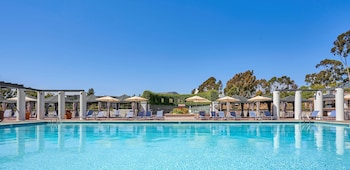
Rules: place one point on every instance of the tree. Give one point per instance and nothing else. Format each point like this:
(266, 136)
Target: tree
(32, 93)
(7, 92)
(332, 74)
(282, 83)
(90, 92)
(342, 49)
(243, 84)
(49, 95)
(209, 84)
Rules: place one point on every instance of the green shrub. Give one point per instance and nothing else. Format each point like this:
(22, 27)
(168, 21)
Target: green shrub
(180, 110)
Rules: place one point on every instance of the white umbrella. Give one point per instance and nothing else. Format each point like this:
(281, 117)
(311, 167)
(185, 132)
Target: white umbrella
(259, 99)
(197, 99)
(228, 99)
(108, 99)
(135, 99)
(347, 97)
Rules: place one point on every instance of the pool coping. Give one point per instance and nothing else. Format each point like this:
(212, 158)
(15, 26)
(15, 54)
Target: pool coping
(14, 123)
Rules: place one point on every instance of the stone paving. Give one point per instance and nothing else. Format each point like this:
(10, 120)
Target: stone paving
(177, 119)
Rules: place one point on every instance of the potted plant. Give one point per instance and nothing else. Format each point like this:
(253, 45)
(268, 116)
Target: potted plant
(68, 114)
(27, 115)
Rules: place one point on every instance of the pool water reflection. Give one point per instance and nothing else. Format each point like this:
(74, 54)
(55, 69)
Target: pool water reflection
(175, 146)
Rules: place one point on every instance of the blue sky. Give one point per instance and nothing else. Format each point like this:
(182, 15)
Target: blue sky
(128, 46)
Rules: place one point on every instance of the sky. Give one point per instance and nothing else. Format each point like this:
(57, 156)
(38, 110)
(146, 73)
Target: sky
(126, 47)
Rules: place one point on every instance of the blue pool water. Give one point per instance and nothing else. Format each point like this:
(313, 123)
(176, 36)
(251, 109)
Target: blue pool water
(175, 146)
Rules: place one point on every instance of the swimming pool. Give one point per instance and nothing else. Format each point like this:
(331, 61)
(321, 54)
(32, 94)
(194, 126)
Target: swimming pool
(175, 146)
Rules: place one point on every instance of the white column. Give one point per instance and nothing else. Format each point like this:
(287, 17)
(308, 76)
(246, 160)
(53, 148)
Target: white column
(339, 104)
(339, 140)
(82, 105)
(21, 105)
(61, 104)
(40, 106)
(297, 106)
(319, 100)
(276, 104)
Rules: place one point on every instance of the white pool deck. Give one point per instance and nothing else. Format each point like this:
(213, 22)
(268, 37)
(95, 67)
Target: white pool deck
(171, 119)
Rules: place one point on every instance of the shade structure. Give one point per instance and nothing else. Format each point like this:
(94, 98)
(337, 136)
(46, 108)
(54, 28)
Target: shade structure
(135, 99)
(259, 99)
(54, 99)
(27, 99)
(227, 99)
(109, 100)
(292, 99)
(197, 99)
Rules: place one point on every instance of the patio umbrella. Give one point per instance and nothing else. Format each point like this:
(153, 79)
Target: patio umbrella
(347, 97)
(197, 99)
(259, 99)
(227, 99)
(107, 99)
(135, 99)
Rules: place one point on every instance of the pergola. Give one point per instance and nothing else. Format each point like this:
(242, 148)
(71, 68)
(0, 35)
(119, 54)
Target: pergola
(41, 100)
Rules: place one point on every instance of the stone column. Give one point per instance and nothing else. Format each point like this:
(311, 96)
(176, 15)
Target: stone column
(297, 106)
(276, 104)
(61, 104)
(21, 105)
(339, 104)
(319, 101)
(40, 111)
(82, 105)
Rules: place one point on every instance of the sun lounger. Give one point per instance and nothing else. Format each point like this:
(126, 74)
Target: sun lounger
(252, 114)
(201, 115)
(159, 115)
(148, 115)
(130, 115)
(332, 115)
(100, 114)
(8, 113)
(313, 115)
(89, 114)
(213, 115)
(116, 113)
(267, 115)
(222, 115)
(233, 115)
(140, 114)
